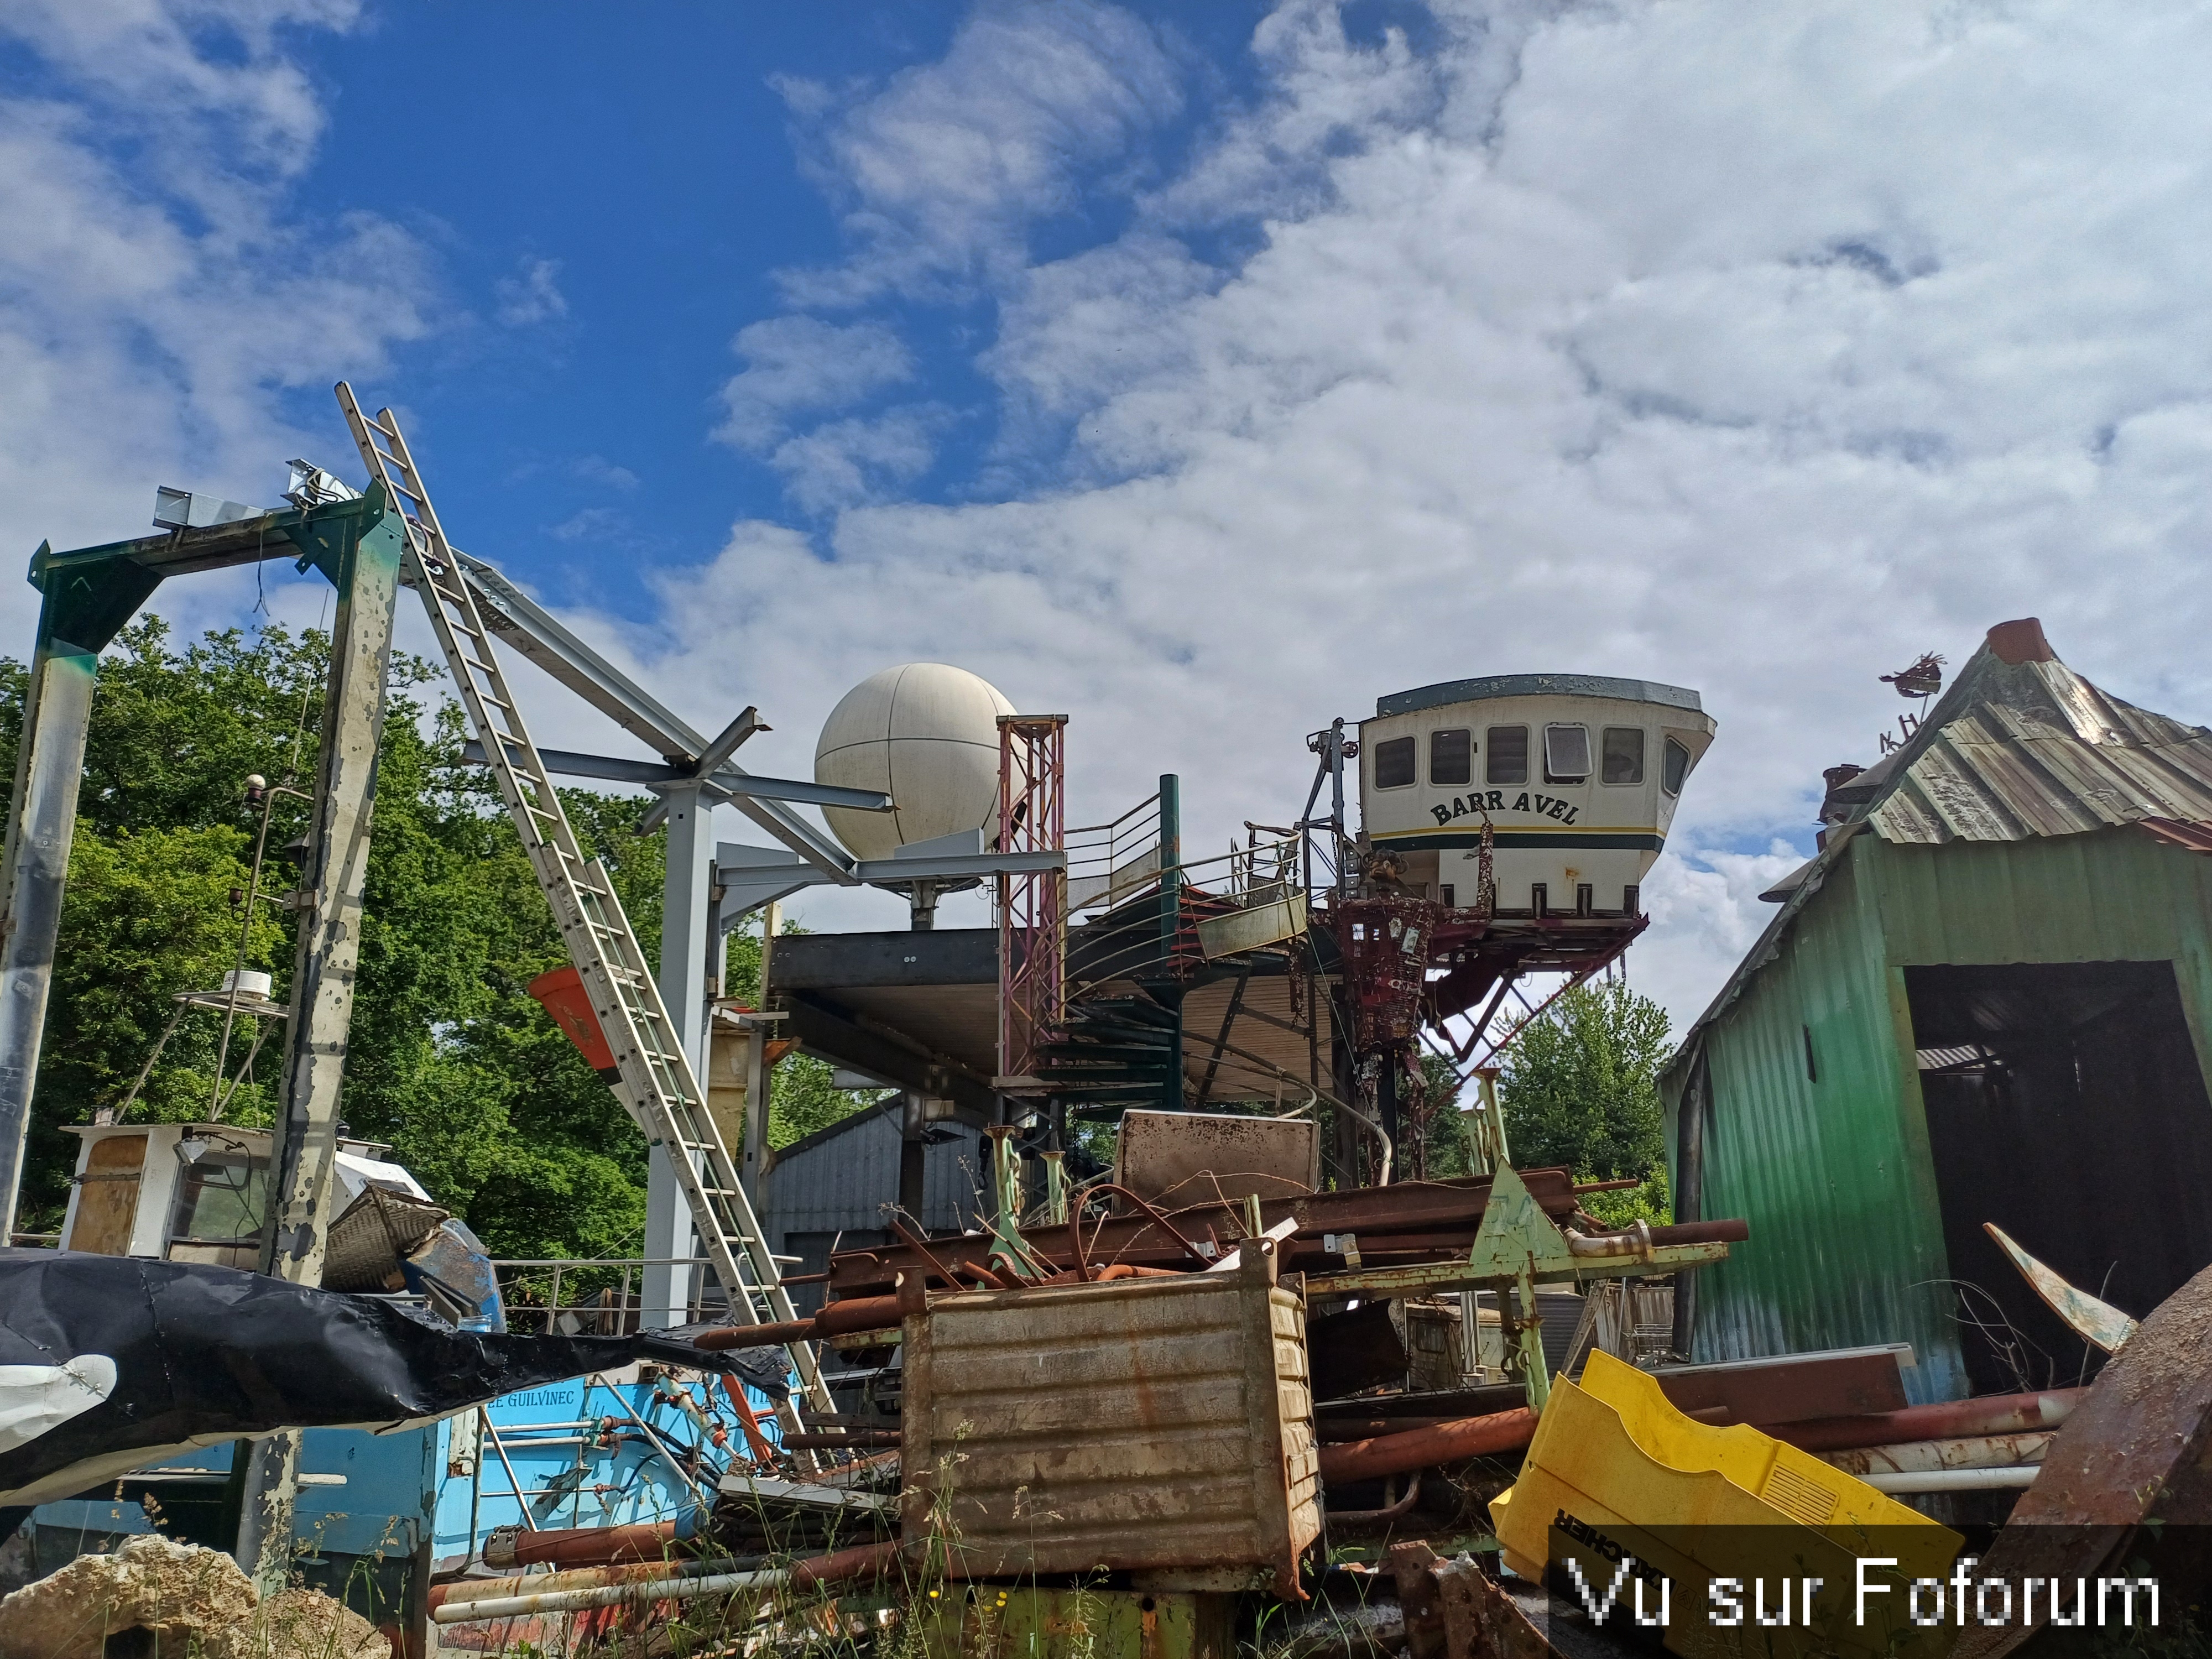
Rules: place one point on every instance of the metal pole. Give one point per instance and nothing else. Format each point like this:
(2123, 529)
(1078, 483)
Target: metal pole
(323, 968)
(752, 1164)
(684, 924)
(49, 766)
(1171, 991)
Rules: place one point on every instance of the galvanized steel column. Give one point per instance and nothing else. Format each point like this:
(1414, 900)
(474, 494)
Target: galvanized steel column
(367, 576)
(684, 924)
(49, 767)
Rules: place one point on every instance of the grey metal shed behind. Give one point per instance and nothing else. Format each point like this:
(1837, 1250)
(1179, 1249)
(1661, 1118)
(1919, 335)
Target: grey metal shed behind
(837, 1182)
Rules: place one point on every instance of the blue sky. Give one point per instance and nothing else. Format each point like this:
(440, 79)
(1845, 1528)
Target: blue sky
(611, 196)
(1201, 371)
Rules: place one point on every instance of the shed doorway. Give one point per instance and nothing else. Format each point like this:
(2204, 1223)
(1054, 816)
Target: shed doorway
(2065, 1102)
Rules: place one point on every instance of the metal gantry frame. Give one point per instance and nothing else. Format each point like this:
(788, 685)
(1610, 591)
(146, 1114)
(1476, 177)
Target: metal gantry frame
(87, 597)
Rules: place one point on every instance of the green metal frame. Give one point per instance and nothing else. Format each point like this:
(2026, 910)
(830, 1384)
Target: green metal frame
(87, 596)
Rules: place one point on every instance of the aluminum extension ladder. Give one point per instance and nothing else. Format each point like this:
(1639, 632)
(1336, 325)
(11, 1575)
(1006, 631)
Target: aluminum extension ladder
(657, 1082)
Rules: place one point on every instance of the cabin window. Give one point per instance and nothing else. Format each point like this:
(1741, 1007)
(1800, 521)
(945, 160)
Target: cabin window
(1394, 763)
(1509, 754)
(1675, 768)
(1624, 754)
(1566, 754)
(222, 1200)
(1451, 756)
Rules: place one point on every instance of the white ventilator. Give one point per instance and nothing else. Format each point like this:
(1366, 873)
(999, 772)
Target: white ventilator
(657, 1082)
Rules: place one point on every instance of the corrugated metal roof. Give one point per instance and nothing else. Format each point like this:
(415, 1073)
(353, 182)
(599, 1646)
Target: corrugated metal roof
(2019, 747)
(2030, 748)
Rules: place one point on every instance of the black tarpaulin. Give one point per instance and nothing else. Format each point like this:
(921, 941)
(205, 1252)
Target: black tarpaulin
(106, 1362)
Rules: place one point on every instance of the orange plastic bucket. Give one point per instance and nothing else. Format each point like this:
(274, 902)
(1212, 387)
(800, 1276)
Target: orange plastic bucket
(562, 995)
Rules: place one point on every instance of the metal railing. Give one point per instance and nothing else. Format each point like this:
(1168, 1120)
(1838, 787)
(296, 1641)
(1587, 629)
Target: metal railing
(1109, 862)
(1172, 923)
(600, 1289)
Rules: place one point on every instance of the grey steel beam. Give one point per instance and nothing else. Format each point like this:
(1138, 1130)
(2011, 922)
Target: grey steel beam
(828, 1032)
(537, 635)
(754, 875)
(832, 962)
(367, 575)
(614, 769)
(532, 631)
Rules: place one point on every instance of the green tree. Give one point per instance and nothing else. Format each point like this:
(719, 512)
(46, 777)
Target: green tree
(1580, 1090)
(451, 1061)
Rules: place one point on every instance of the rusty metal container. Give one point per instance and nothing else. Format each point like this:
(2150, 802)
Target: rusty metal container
(1156, 1425)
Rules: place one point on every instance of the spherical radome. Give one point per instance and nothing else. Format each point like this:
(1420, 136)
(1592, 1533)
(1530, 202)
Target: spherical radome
(926, 734)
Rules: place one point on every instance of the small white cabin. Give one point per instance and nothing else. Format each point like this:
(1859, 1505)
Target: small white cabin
(193, 1192)
(1577, 775)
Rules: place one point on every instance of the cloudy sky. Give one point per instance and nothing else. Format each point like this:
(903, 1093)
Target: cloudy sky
(1201, 372)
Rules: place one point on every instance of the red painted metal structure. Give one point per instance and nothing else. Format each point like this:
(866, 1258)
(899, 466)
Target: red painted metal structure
(1032, 907)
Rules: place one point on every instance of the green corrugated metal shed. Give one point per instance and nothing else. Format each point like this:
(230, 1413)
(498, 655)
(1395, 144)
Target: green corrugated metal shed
(1815, 1129)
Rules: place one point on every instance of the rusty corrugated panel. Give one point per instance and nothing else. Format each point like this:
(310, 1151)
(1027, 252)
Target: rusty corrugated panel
(1902, 817)
(1144, 1424)
(2196, 837)
(2025, 749)
(1956, 795)
(2042, 808)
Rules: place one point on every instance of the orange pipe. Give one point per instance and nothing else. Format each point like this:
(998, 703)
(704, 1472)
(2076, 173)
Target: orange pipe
(1421, 1449)
(1949, 1420)
(762, 1451)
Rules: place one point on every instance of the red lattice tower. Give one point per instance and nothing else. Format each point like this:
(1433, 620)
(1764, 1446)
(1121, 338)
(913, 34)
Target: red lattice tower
(1032, 905)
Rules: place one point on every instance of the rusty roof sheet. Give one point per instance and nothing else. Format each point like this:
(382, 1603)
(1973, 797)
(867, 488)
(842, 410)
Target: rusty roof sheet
(2019, 746)
(2030, 748)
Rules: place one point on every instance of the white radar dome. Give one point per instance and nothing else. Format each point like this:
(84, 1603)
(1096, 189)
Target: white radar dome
(926, 734)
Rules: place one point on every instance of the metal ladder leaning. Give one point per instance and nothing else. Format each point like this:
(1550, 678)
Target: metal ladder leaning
(657, 1082)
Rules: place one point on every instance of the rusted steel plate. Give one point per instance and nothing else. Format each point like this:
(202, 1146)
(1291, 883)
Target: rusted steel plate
(2085, 1316)
(1183, 1156)
(1793, 1387)
(1143, 1423)
(2132, 1445)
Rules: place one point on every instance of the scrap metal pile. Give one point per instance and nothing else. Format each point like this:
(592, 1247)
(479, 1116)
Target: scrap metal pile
(1110, 1418)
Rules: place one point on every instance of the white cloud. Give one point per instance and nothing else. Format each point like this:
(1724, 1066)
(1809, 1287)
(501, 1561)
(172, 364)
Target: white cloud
(843, 463)
(598, 470)
(532, 295)
(1752, 349)
(801, 365)
(593, 523)
(161, 291)
(941, 172)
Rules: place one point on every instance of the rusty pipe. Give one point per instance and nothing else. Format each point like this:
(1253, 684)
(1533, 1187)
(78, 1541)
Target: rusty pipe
(1158, 1220)
(1421, 1449)
(854, 1314)
(1397, 1512)
(584, 1546)
(1981, 1451)
(1643, 1239)
(1951, 1419)
(487, 1589)
(867, 1561)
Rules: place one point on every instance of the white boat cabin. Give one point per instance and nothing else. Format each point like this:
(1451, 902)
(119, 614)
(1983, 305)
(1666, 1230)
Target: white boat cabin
(1578, 777)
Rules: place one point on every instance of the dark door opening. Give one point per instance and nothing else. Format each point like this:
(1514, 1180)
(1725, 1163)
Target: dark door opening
(2066, 1104)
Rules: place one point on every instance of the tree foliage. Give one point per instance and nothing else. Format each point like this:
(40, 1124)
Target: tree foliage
(1581, 1090)
(450, 1059)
